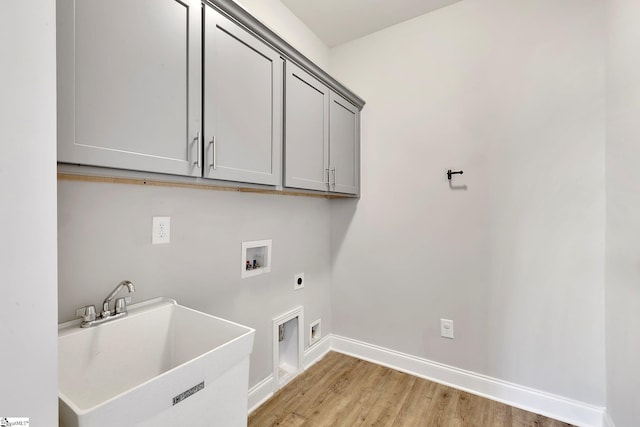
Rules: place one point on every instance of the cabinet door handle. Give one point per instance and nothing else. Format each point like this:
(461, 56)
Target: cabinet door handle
(212, 144)
(328, 181)
(333, 172)
(198, 153)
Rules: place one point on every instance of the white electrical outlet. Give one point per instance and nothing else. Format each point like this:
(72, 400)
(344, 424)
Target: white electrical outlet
(298, 281)
(446, 328)
(161, 230)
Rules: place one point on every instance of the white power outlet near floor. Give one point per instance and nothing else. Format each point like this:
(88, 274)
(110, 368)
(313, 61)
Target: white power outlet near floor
(446, 328)
(298, 281)
(161, 230)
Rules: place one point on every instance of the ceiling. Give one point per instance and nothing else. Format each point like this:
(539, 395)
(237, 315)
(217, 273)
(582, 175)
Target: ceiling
(339, 21)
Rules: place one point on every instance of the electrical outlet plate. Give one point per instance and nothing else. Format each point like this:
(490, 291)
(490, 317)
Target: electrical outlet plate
(315, 332)
(161, 230)
(446, 328)
(298, 282)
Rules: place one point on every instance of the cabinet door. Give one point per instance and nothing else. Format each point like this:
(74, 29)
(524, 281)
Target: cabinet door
(344, 149)
(307, 131)
(129, 84)
(243, 80)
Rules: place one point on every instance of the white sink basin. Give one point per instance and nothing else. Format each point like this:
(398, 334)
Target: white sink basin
(128, 371)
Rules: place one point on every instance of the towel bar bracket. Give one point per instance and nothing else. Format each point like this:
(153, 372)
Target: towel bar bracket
(450, 172)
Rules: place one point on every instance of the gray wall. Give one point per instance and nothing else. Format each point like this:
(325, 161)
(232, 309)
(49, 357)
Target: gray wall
(28, 333)
(104, 236)
(511, 92)
(623, 212)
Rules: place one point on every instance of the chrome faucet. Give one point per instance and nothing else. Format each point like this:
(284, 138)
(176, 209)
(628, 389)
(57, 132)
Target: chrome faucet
(88, 313)
(120, 302)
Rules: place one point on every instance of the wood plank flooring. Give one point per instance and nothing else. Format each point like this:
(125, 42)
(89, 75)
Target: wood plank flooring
(344, 391)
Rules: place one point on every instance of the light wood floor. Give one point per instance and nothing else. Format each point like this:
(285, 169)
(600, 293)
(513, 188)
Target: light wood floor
(344, 391)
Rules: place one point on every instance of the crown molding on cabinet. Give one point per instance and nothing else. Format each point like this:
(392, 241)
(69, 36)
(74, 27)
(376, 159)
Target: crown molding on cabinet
(244, 18)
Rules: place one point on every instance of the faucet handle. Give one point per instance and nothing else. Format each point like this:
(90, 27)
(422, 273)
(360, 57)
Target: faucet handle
(121, 306)
(88, 313)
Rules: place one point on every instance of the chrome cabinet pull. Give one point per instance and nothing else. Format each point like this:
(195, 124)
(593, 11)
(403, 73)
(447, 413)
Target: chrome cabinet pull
(199, 153)
(212, 144)
(333, 171)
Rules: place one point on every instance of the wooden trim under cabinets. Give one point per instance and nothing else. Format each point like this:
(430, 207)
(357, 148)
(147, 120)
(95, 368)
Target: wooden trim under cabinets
(62, 176)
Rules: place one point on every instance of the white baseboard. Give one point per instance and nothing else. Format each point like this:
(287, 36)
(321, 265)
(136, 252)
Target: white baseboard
(607, 421)
(316, 352)
(260, 393)
(560, 408)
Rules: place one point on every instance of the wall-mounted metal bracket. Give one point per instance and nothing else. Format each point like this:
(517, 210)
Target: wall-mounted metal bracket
(450, 172)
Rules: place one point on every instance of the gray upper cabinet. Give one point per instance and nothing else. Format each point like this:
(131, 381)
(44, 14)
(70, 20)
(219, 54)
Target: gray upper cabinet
(307, 131)
(243, 96)
(344, 149)
(129, 84)
(198, 89)
(321, 136)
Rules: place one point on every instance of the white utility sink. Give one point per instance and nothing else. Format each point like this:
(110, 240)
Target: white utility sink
(162, 365)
